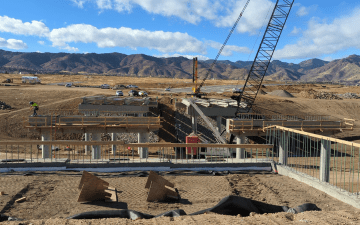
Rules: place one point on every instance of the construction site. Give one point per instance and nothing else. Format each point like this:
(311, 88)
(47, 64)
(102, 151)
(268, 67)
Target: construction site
(262, 153)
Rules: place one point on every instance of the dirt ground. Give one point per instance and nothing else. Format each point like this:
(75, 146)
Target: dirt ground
(52, 196)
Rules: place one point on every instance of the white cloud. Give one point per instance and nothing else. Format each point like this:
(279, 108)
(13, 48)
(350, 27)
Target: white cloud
(79, 3)
(303, 11)
(295, 31)
(255, 16)
(104, 4)
(328, 58)
(223, 13)
(228, 49)
(12, 44)
(200, 57)
(188, 10)
(16, 26)
(325, 38)
(41, 42)
(126, 37)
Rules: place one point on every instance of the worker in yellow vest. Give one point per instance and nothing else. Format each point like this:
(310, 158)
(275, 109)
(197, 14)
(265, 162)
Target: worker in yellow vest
(35, 106)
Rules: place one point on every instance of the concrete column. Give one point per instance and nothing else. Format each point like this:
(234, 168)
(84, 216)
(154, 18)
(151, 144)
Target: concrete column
(194, 120)
(240, 152)
(325, 160)
(284, 148)
(113, 147)
(45, 148)
(87, 147)
(96, 150)
(218, 122)
(143, 138)
(139, 115)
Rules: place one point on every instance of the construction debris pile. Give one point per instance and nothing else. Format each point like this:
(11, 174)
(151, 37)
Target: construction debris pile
(4, 106)
(349, 96)
(312, 94)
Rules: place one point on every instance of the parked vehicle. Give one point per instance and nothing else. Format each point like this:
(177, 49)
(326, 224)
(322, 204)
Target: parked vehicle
(132, 86)
(133, 93)
(167, 89)
(68, 84)
(105, 86)
(118, 86)
(236, 90)
(143, 93)
(30, 80)
(119, 93)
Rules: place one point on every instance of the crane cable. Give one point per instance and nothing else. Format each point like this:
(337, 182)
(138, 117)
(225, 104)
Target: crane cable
(222, 47)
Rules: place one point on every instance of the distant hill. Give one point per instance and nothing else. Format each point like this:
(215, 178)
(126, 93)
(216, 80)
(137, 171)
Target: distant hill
(347, 69)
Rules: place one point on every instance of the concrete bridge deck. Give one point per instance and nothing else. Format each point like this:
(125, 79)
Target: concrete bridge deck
(81, 124)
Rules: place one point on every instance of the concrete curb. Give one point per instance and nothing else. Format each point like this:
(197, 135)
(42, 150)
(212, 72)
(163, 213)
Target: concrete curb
(337, 193)
(144, 166)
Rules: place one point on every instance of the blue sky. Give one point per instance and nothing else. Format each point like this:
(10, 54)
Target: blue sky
(324, 29)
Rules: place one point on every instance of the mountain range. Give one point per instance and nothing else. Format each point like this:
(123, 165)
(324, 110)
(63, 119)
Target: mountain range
(140, 65)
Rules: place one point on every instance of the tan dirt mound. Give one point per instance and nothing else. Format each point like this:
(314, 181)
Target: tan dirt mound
(281, 93)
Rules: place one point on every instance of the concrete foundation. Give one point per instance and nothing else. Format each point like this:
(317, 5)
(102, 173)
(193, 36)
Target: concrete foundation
(96, 149)
(335, 192)
(45, 149)
(240, 152)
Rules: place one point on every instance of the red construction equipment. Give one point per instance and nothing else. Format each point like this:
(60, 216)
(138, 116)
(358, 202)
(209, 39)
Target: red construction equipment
(189, 140)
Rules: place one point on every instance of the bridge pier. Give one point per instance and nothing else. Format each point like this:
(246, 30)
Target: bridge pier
(194, 120)
(96, 149)
(87, 147)
(240, 152)
(113, 147)
(325, 153)
(283, 147)
(45, 149)
(218, 123)
(143, 151)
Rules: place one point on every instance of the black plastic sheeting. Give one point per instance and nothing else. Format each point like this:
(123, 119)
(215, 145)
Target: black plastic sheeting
(8, 218)
(230, 205)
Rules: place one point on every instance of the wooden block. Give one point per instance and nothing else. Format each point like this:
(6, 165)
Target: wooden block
(159, 188)
(21, 199)
(153, 177)
(92, 188)
(86, 176)
(113, 197)
(157, 192)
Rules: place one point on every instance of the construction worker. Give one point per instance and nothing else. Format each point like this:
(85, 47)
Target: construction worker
(35, 106)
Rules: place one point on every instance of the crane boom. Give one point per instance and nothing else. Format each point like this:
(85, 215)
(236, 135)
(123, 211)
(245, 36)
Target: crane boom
(263, 56)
